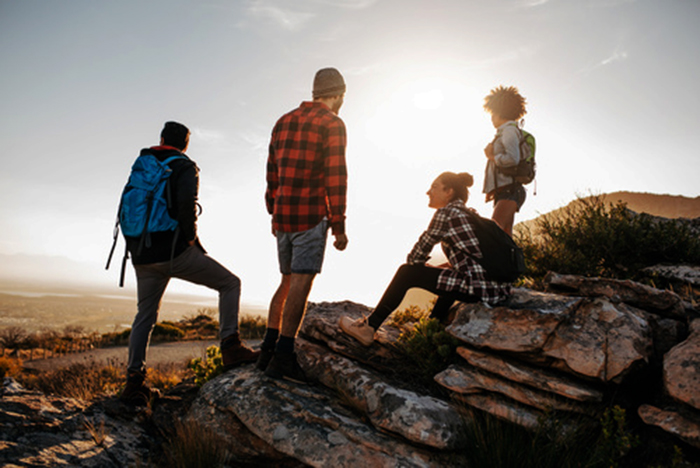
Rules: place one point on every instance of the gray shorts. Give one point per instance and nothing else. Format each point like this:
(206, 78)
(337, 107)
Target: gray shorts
(302, 252)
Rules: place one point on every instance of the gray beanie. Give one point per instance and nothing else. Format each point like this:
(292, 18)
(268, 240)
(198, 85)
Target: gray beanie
(328, 82)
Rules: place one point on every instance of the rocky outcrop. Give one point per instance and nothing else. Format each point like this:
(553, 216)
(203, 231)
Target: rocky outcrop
(592, 338)
(307, 423)
(45, 430)
(573, 351)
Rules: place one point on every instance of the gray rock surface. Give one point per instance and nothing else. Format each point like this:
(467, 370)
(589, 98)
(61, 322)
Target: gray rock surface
(45, 430)
(304, 422)
(593, 338)
(672, 422)
(682, 369)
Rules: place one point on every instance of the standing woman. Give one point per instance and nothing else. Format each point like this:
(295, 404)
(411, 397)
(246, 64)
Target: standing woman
(462, 279)
(507, 108)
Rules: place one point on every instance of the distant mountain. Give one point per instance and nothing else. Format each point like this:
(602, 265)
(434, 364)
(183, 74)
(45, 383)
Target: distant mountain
(665, 206)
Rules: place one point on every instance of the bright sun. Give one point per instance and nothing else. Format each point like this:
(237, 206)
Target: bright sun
(426, 121)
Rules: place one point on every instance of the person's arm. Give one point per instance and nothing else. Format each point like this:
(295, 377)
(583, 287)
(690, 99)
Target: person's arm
(435, 233)
(272, 178)
(187, 188)
(336, 180)
(510, 154)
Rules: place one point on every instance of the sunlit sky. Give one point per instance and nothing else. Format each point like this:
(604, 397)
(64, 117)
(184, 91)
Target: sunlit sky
(610, 84)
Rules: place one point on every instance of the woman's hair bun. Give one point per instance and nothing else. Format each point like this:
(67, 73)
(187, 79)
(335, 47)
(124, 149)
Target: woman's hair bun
(466, 178)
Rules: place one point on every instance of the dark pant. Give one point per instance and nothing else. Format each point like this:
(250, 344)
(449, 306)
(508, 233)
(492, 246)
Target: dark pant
(192, 265)
(416, 276)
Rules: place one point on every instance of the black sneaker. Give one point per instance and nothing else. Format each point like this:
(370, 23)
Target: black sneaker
(264, 358)
(284, 366)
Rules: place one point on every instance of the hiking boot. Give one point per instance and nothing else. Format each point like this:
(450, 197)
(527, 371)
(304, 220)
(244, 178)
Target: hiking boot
(264, 358)
(358, 329)
(238, 355)
(137, 392)
(284, 366)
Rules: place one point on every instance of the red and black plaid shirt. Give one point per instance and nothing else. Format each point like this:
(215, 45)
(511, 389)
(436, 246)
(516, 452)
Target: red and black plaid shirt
(306, 172)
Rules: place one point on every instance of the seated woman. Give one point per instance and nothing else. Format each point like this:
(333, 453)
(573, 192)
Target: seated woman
(462, 279)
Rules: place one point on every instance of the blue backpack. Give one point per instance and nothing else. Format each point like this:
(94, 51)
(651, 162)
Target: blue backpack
(144, 203)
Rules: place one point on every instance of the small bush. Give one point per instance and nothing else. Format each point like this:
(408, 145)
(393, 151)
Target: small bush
(252, 326)
(411, 314)
(9, 367)
(208, 368)
(428, 348)
(167, 331)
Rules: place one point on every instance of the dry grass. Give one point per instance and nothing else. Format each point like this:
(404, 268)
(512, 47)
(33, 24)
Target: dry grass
(192, 445)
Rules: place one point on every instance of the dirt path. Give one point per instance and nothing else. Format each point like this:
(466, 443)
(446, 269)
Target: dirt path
(158, 354)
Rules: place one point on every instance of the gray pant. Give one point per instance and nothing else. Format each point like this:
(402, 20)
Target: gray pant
(194, 266)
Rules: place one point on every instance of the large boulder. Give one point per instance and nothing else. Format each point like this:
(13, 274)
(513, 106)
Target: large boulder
(593, 338)
(682, 369)
(307, 423)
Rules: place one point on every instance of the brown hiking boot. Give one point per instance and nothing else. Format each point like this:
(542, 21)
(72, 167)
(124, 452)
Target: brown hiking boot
(137, 392)
(238, 355)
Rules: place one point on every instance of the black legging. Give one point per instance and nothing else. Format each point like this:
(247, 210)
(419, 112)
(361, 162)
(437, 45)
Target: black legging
(415, 276)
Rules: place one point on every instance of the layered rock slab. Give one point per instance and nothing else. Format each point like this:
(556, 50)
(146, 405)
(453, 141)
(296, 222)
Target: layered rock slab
(304, 422)
(593, 338)
(672, 422)
(421, 419)
(662, 302)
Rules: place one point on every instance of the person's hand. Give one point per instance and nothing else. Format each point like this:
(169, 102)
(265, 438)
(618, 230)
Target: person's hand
(341, 241)
(488, 151)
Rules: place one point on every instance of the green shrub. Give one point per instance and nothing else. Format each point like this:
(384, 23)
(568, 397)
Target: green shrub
(557, 442)
(428, 349)
(208, 368)
(593, 238)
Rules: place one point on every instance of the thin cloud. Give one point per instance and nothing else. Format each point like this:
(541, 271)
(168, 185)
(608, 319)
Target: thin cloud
(618, 55)
(208, 137)
(350, 4)
(532, 3)
(282, 16)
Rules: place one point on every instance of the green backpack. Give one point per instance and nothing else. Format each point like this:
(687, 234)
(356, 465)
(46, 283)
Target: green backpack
(524, 171)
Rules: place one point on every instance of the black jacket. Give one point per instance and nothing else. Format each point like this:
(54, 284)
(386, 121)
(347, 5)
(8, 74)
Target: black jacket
(183, 185)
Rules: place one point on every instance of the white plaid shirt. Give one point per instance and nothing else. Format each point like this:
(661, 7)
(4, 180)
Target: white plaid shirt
(451, 227)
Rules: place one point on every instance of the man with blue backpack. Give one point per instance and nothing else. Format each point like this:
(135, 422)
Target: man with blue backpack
(158, 217)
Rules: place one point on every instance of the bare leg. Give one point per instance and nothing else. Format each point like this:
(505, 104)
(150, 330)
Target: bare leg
(295, 305)
(274, 315)
(504, 215)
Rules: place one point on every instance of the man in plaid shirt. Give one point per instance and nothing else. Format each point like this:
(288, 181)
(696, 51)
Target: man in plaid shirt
(306, 193)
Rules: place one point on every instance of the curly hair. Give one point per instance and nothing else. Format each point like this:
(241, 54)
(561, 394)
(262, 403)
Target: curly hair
(505, 102)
